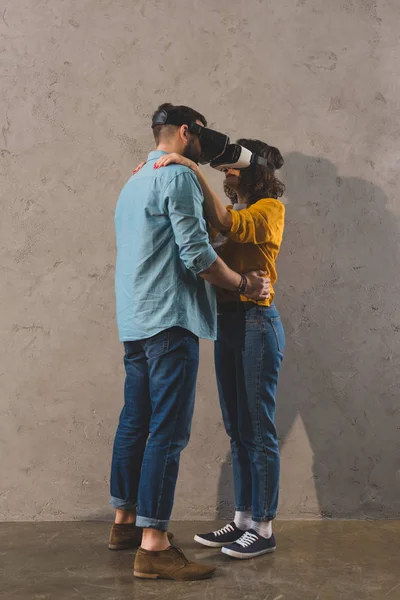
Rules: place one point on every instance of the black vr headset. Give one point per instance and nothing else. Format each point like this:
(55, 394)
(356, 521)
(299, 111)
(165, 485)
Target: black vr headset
(215, 146)
(212, 142)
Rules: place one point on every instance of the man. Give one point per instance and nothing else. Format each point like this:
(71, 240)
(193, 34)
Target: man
(165, 303)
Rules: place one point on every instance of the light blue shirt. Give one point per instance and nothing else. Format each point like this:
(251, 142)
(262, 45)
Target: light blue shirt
(162, 245)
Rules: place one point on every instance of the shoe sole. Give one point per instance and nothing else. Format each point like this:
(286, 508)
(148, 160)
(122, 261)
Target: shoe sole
(207, 543)
(241, 556)
(140, 575)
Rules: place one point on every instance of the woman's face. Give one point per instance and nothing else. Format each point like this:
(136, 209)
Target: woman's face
(232, 178)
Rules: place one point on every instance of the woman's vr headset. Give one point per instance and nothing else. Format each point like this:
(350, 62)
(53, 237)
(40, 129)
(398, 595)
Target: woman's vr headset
(213, 143)
(237, 157)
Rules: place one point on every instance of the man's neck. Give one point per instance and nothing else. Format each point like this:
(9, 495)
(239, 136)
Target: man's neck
(168, 148)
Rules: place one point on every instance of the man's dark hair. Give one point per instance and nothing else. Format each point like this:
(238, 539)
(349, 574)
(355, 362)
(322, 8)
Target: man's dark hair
(179, 114)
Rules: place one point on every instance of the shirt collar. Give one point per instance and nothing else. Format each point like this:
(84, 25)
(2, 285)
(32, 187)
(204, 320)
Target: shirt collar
(156, 154)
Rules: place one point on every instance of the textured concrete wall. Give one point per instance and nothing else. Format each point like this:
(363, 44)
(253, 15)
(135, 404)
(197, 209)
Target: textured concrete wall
(318, 78)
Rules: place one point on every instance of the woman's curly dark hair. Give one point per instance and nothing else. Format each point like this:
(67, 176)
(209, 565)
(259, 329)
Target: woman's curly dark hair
(257, 181)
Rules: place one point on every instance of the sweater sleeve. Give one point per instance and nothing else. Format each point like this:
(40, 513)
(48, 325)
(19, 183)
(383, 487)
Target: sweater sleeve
(262, 222)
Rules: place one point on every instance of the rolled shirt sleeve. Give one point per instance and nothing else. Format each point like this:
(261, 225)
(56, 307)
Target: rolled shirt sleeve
(184, 200)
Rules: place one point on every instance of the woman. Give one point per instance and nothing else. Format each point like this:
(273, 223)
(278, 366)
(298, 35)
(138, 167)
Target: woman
(250, 346)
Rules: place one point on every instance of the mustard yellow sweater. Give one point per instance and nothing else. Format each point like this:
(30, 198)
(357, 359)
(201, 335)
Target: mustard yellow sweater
(253, 243)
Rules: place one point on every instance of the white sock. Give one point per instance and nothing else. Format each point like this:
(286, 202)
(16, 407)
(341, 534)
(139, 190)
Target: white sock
(243, 520)
(264, 528)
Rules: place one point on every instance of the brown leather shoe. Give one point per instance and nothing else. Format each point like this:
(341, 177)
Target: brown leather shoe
(169, 564)
(124, 536)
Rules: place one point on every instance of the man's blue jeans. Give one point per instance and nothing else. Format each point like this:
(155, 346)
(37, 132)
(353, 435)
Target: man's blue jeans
(154, 425)
(248, 354)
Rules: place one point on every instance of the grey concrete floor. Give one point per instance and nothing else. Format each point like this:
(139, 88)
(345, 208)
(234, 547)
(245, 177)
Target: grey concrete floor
(317, 560)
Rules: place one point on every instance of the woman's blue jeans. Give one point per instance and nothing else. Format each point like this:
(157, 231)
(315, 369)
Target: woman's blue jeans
(248, 355)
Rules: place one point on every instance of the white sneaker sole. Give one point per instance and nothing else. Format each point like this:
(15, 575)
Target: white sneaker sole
(242, 556)
(204, 542)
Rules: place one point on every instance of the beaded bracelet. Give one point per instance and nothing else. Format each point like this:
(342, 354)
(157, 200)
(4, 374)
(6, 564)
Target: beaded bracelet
(243, 285)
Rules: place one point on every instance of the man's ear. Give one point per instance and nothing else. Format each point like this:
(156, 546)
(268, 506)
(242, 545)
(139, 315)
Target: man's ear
(184, 133)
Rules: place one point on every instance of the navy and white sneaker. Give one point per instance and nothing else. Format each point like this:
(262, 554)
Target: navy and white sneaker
(250, 545)
(216, 539)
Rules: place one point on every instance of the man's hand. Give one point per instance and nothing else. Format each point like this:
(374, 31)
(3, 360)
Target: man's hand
(258, 285)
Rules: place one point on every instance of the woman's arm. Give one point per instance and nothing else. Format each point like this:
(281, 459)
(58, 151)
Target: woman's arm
(260, 223)
(219, 217)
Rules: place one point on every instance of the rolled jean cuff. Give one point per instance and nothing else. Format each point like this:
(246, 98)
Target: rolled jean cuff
(243, 508)
(263, 519)
(148, 523)
(122, 504)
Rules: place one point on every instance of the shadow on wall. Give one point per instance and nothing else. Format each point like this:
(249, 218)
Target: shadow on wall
(339, 299)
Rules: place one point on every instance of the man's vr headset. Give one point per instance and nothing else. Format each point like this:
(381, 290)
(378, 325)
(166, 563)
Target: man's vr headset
(212, 142)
